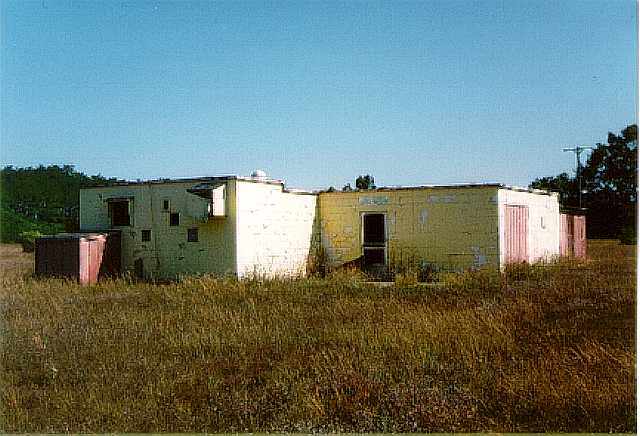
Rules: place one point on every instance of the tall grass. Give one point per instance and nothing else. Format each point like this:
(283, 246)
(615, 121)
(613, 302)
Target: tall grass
(541, 348)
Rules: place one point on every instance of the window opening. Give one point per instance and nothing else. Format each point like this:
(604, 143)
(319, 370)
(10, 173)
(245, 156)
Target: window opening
(146, 235)
(174, 219)
(192, 235)
(165, 204)
(119, 211)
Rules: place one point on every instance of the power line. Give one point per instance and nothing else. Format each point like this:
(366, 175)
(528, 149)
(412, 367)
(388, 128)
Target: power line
(577, 150)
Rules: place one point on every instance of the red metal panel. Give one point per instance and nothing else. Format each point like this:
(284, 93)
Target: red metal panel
(579, 236)
(516, 229)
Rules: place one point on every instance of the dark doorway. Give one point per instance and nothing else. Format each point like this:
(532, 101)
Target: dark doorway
(138, 268)
(119, 211)
(374, 241)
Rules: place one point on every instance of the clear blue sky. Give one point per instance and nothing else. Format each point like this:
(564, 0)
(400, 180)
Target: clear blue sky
(315, 92)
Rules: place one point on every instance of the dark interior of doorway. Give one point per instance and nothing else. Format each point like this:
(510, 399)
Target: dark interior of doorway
(373, 243)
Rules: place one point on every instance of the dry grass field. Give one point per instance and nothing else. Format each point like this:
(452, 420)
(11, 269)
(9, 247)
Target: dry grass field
(541, 348)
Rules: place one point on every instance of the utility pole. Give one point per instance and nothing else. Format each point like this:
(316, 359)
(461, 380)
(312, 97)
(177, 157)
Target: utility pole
(577, 150)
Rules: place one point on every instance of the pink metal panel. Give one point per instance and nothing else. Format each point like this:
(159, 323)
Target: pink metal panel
(566, 235)
(573, 241)
(516, 229)
(91, 254)
(77, 255)
(96, 252)
(83, 270)
(580, 236)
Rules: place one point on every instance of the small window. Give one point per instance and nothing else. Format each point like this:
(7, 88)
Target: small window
(174, 219)
(146, 235)
(192, 235)
(543, 225)
(119, 212)
(165, 204)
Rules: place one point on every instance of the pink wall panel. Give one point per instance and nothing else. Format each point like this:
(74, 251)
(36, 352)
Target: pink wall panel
(566, 235)
(573, 231)
(516, 229)
(79, 256)
(580, 236)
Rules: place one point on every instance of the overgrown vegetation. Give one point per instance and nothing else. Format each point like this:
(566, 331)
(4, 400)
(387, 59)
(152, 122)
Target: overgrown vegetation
(44, 199)
(543, 348)
(14, 226)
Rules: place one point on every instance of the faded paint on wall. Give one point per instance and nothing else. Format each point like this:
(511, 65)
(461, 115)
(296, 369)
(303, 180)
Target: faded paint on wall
(543, 239)
(168, 253)
(453, 228)
(274, 230)
(262, 228)
(573, 235)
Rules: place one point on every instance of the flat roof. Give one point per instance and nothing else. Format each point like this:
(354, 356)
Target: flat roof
(324, 191)
(448, 186)
(190, 180)
(209, 179)
(76, 235)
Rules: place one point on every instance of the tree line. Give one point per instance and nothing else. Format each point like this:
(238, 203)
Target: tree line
(609, 187)
(42, 197)
(50, 194)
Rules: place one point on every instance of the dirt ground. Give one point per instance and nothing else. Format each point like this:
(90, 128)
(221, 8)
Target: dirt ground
(14, 262)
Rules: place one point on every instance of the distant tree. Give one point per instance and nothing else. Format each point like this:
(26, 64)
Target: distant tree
(610, 183)
(613, 168)
(562, 184)
(331, 189)
(365, 182)
(44, 195)
(347, 188)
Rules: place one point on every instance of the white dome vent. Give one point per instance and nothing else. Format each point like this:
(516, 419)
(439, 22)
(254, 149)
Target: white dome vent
(259, 175)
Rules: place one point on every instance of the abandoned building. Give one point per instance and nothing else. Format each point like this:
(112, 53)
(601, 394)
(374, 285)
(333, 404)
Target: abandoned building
(254, 225)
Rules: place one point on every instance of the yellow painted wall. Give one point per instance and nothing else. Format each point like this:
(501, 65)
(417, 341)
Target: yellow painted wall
(274, 229)
(270, 231)
(454, 228)
(168, 254)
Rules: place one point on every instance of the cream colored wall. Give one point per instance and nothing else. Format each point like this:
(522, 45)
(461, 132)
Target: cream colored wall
(543, 236)
(168, 254)
(452, 228)
(274, 229)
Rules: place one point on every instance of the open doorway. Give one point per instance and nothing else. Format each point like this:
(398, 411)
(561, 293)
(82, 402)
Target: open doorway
(374, 242)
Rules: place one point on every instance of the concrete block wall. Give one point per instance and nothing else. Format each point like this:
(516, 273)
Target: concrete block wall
(274, 229)
(452, 228)
(543, 238)
(270, 231)
(168, 254)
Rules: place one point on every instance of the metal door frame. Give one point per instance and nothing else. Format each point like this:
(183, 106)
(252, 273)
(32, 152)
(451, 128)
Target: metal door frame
(385, 247)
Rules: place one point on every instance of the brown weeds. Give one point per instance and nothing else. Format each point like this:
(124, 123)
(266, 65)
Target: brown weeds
(540, 348)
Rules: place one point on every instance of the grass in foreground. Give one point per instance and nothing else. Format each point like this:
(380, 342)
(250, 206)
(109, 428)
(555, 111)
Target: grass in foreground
(537, 349)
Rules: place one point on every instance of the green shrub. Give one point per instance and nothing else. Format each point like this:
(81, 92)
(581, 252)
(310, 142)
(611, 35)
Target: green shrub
(28, 240)
(628, 235)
